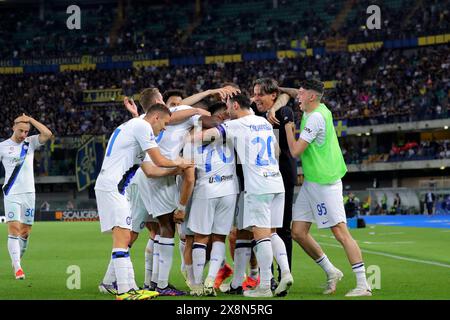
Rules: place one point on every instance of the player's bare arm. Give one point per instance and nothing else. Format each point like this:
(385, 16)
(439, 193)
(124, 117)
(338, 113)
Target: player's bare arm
(161, 161)
(44, 133)
(152, 171)
(223, 92)
(281, 101)
(131, 106)
(183, 115)
(297, 147)
(292, 92)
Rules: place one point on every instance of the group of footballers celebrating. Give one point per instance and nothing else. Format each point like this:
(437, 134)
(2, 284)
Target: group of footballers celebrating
(207, 171)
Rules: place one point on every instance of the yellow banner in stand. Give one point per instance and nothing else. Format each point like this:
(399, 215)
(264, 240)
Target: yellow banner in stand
(105, 95)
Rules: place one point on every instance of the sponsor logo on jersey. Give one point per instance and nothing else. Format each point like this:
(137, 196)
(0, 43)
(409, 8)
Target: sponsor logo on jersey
(307, 129)
(10, 214)
(218, 178)
(128, 220)
(271, 174)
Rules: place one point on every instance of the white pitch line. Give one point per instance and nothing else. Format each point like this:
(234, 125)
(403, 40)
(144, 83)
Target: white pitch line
(433, 263)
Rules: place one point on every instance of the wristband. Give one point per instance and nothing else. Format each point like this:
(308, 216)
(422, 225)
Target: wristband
(181, 207)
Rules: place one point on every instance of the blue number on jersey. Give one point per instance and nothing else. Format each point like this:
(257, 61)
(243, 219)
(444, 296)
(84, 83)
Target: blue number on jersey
(321, 209)
(111, 143)
(210, 150)
(260, 162)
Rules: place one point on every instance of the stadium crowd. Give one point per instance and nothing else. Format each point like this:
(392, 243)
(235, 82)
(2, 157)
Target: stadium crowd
(403, 86)
(162, 33)
(357, 152)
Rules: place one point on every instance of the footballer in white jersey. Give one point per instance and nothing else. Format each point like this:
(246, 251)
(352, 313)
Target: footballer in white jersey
(255, 142)
(16, 155)
(213, 205)
(123, 155)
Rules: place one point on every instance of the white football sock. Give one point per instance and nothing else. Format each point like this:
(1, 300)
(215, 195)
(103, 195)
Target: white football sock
(14, 251)
(242, 254)
(23, 245)
(279, 252)
(155, 269)
(360, 273)
(198, 261)
(326, 265)
(264, 256)
(166, 247)
(148, 262)
(120, 257)
(217, 258)
(110, 275)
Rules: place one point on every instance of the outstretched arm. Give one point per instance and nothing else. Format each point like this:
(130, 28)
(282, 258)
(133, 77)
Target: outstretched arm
(292, 92)
(223, 92)
(182, 115)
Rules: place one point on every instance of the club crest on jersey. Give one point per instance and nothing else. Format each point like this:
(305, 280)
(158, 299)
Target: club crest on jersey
(218, 178)
(10, 214)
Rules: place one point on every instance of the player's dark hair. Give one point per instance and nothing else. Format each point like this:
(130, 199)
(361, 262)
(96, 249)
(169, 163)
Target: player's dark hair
(268, 85)
(159, 107)
(215, 107)
(202, 104)
(242, 100)
(313, 84)
(147, 98)
(173, 92)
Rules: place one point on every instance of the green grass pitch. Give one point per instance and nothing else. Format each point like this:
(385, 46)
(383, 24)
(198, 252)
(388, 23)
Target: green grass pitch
(414, 263)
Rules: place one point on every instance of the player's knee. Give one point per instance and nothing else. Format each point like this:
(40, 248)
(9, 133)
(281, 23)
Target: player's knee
(14, 229)
(299, 235)
(342, 236)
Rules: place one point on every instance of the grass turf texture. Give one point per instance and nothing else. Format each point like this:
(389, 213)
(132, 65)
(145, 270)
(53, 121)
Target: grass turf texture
(54, 246)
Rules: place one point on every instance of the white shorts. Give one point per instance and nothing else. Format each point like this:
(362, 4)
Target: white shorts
(114, 210)
(139, 213)
(212, 216)
(20, 207)
(322, 204)
(163, 196)
(263, 210)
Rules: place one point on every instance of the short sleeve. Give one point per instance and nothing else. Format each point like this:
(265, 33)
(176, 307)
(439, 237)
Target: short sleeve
(228, 130)
(34, 142)
(314, 125)
(143, 133)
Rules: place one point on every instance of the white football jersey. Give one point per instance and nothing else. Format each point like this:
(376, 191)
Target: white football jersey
(17, 159)
(215, 169)
(254, 140)
(172, 140)
(125, 151)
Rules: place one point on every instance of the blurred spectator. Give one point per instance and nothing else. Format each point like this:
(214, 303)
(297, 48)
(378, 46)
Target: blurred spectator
(45, 206)
(430, 199)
